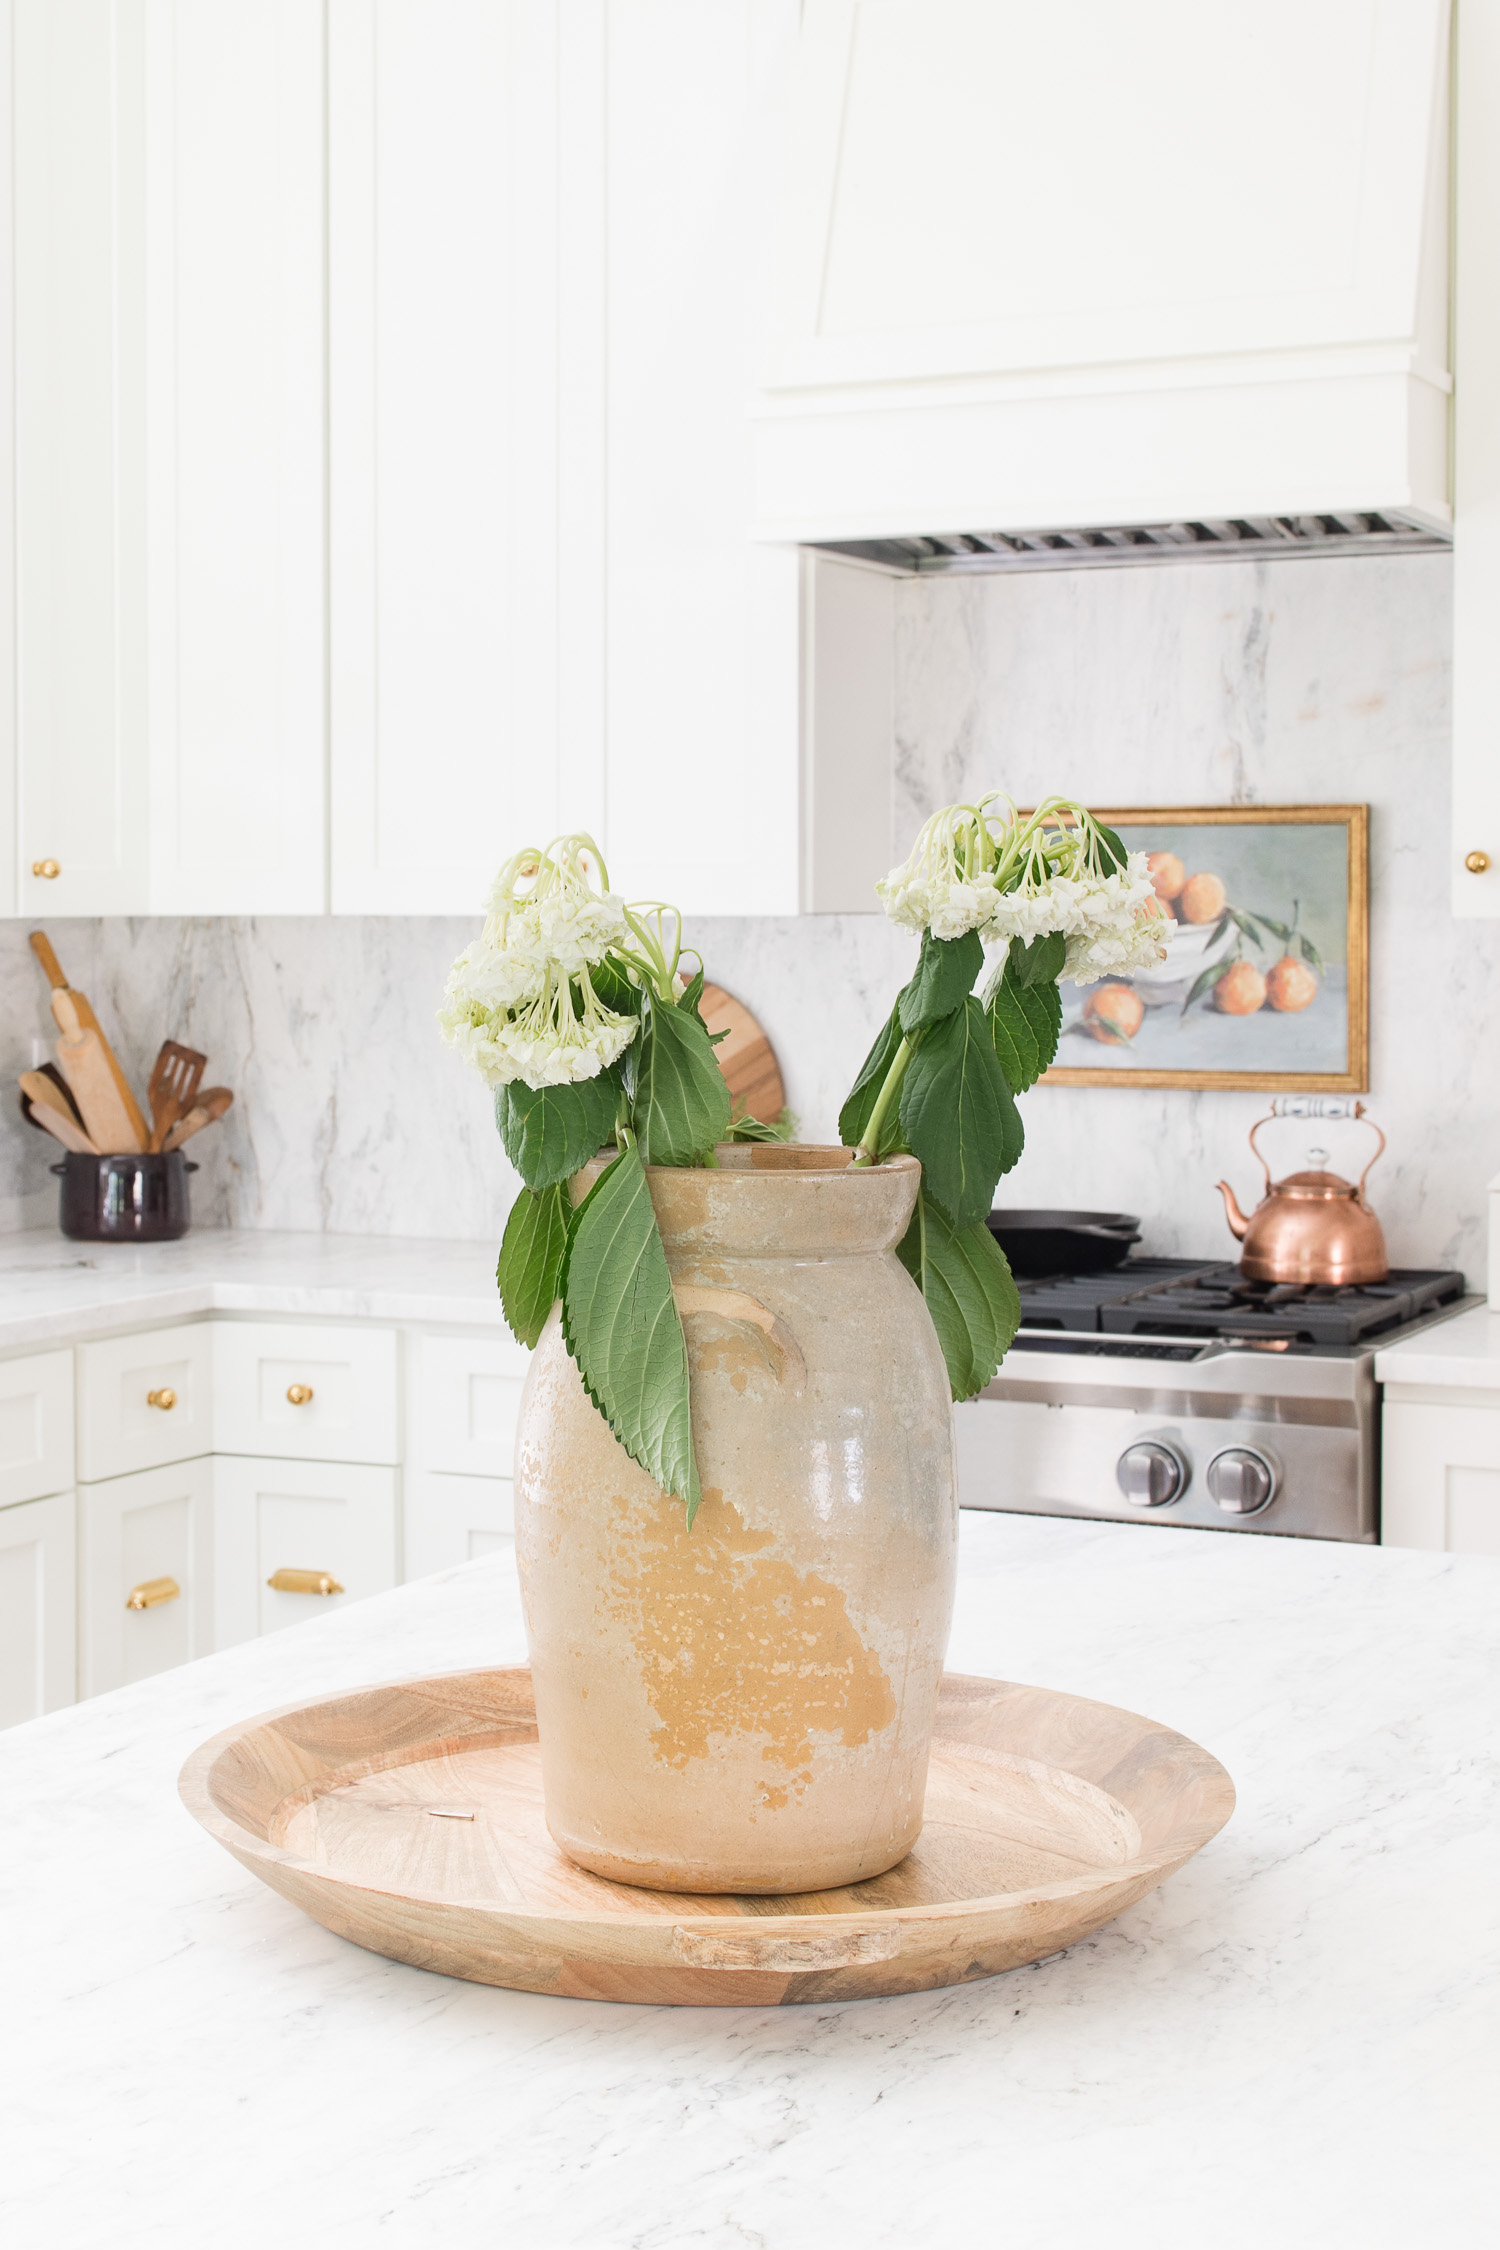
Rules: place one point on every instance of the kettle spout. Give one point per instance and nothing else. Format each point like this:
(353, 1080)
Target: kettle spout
(1232, 1212)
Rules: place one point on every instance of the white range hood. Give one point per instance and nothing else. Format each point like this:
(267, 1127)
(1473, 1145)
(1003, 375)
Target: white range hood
(1078, 266)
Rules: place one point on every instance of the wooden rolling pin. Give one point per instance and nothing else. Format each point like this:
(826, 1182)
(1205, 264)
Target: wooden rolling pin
(41, 946)
(81, 1055)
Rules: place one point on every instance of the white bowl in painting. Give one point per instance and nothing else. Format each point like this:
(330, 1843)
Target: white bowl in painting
(1190, 946)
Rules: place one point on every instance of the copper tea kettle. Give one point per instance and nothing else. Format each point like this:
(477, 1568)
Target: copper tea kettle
(1312, 1227)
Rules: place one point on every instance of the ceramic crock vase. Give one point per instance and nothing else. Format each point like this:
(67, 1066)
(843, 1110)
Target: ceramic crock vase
(748, 1705)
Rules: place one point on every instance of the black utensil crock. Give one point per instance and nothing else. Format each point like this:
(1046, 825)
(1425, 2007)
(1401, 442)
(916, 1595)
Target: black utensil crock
(132, 1198)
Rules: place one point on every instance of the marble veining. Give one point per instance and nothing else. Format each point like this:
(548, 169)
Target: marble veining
(1225, 683)
(1292, 2041)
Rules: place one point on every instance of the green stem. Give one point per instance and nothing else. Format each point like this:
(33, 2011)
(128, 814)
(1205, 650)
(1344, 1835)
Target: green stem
(868, 1151)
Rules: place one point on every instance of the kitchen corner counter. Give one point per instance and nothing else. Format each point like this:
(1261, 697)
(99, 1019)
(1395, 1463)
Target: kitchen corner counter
(54, 1291)
(1292, 2041)
(1458, 1354)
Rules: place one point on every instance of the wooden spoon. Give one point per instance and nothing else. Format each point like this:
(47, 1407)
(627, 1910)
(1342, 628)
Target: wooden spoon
(175, 1077)
(57, 1120)
(80, 1051)
(210, 1105)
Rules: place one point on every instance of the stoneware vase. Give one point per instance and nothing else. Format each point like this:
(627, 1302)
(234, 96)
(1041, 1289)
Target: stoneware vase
(748, 1705)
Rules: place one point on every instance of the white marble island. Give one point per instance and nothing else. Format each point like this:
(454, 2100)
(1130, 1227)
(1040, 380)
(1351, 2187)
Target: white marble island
(1293, 2041)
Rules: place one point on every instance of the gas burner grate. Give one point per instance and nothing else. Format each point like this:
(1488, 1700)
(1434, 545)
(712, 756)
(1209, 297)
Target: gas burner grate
(1077, 1300)
(1222, 1303)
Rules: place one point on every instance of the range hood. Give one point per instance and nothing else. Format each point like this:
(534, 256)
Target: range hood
(1062, 282)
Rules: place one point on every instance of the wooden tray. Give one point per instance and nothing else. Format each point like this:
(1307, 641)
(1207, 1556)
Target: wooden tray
(409, 1818)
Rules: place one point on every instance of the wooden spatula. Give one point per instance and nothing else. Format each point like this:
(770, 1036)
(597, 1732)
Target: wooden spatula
(81, 1054)
(44, 1107)
(175, 1078)
(211, 1104)
(42, 948)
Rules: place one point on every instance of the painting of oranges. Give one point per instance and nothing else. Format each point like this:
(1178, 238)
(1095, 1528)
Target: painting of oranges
(1263, 983)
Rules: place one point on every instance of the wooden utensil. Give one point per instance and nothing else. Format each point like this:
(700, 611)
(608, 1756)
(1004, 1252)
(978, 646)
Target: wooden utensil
(210, 1105)
(82, 1055)
(42, 948)
(55, 1079)
(408, 1817)
(175, 1077)
(44, 1105)
(746, 1057)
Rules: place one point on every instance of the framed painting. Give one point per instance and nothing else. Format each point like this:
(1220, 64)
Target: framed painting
(1266, 979)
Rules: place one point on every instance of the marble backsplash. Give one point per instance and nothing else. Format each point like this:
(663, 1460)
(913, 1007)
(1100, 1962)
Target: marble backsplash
(1298, 681)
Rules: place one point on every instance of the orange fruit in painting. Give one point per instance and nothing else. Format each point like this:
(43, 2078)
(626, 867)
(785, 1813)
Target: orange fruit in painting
(1290, 985)
(1240, 991)
(1167, 875)
(1201, 899)
(1114, 1013)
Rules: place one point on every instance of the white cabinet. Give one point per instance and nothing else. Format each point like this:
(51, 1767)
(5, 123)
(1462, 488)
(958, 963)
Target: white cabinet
(1077, 264)
(1476, 470)
(316, 1393)
(37, 1607)
(465, 1397)
(169, 301)
(145, 1582)
(449, 1520)
(1440, 1472)
(144, 1400)
(36, 1426)
(317, 1519)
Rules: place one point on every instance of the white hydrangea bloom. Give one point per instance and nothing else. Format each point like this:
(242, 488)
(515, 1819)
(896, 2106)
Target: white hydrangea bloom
(1117, 927)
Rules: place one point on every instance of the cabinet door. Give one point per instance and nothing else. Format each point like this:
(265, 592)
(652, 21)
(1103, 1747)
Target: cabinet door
(448, 1520)
(140, 1536)
(1440, 1477)
(443, 361)
(36, 1426)
(37, 1608)
(465, 1396)
(144, 1400)
(307, 1393)
(326, 1519)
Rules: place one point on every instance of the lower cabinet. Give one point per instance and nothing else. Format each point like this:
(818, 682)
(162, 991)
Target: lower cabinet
(37, 1575)
(452, 1520)
(314, 1525)
(1440, 1474)
(146, 1577)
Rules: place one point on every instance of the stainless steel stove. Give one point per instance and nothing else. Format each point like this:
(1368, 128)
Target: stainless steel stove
(1174, 1391)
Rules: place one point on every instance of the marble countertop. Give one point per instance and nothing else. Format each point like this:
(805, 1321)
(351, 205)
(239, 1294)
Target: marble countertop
(1292, 2041)
(52, 1290)
(1459, 1354)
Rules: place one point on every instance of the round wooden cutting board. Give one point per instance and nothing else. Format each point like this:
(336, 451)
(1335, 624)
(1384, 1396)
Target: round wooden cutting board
(746, 1057)
(409, 1818)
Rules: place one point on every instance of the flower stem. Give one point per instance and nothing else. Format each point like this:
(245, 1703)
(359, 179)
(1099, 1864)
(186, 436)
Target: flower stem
(868, 1151)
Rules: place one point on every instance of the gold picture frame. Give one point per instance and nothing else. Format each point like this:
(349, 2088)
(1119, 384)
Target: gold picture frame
(1204, 1041)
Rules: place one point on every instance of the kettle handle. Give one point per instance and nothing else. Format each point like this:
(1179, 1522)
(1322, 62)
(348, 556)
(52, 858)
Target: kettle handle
(1260, 1160)
(1375, 1159)
(1279, 1109)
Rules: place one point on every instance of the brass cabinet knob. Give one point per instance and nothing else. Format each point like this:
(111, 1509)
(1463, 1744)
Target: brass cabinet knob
(299, 1394)
(152, 1592)
(165, 1398)
(1477, 862)
(304, 1582)
(48, 869)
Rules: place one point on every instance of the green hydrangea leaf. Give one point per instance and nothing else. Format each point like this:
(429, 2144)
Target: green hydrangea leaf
(944, 979)
(1040, 962)
(1025, 1024)
(855, 1114)
(529, 1273)
(550, 1132)
(958, 1115)
(680, 1102)
(965, 1277)
(620, 1324)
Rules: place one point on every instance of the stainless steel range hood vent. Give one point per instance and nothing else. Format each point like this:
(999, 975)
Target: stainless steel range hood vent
(1110, 547)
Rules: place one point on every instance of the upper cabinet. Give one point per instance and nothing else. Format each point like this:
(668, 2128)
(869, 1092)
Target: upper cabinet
(1086, 264)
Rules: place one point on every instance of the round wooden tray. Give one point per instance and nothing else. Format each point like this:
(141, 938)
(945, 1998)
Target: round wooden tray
(409, 1818)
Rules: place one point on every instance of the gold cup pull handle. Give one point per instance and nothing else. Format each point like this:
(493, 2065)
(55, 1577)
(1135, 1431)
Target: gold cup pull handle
(165, 1398)
(152, 1592)
(299, 1394)
(304, 1582)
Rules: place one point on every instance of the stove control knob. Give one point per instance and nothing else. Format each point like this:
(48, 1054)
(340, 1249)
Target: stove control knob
(1241, 1482)
(1151, 1475)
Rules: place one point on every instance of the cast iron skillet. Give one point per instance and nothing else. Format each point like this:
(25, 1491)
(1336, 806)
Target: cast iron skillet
(1043, 1242)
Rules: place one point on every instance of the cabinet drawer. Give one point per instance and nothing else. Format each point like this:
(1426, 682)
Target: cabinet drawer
(135, 1533)
(304, 1393)
(322, 1517)
(466, 1393)
(1440, 1478)
(36, 1426)
(144, 1400)
(37, 1667)
(448, 1520)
